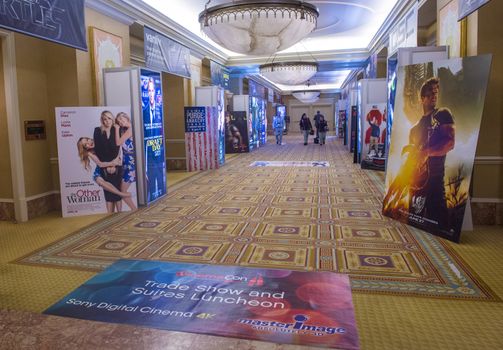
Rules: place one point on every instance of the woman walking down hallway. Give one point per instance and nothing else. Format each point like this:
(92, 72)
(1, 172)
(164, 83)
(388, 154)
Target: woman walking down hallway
(305, 127)
(322, 129)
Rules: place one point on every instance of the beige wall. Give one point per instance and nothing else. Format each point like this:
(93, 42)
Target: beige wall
(488, 178)
(51, 75)
(5, 172)
(85, 73)
(175, 97)
(33, 87)
(62, 90)
(295, 109)
(196, 66)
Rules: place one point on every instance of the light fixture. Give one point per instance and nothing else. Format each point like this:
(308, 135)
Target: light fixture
(258, 27)
(307, 96)
(289, 73)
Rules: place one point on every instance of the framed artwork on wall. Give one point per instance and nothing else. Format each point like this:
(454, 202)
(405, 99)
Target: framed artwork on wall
(106, 52)
(450, 31)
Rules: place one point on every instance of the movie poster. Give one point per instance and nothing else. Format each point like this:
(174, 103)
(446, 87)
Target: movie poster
(353, 126)
(201, 138)
(438, 109)
(341, 124)
(221, 125)
(97, 170)
(256, 122)
(391, 79)
(153, 134)
(236, 132)
(262, 122)
(373, 136)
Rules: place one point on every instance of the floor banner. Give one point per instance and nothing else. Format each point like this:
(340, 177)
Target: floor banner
(274, 163)
(282, 306)
(438, 110)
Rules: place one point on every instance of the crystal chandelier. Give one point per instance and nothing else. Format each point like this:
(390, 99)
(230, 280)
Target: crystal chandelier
(307, 96)
(258, 27)
(289, 73)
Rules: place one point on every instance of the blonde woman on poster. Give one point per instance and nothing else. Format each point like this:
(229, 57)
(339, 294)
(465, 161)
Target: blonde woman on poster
(86, 149)
(106, 149)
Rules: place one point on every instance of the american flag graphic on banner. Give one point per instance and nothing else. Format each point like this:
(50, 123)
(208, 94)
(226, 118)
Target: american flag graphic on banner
(201, 147)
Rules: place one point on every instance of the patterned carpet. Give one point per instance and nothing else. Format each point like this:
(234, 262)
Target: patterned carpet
(298, 218)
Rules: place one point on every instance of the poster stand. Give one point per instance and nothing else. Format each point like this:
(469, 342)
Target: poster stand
(372, 124)
(132, 86)
(213, 96)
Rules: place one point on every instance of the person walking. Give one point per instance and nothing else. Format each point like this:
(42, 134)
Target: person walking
(305, 127)
(278, 125)
(316, 119)
(322, 128)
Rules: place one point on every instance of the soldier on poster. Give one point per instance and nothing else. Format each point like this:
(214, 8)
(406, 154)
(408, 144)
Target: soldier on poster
(437, 119)
(430, 139)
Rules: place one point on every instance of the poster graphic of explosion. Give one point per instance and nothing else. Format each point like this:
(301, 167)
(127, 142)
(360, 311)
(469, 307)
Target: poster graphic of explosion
(433, 141)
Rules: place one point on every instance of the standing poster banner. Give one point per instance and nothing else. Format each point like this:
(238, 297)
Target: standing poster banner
(374, 135)
(466, 7)
(438, 109)
(201, 138)
(162, 53)
(58, 21)
(213, 96)
(282, 306)
(96, 160)
(153, 134)
(236, 132)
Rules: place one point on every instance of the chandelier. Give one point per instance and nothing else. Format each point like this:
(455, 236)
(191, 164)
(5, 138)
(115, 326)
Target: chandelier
(258, 27)
(307, 96)
(289, 73)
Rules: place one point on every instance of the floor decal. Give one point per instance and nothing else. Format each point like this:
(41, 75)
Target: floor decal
(322, 164)
(282, 306)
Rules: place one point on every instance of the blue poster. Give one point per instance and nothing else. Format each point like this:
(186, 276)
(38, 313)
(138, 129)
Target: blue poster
(282, 306)
(221, 126)
(219, 75)
(153, 134)
(195, 119)
(54, 20)
(166, 55)
(392, 79)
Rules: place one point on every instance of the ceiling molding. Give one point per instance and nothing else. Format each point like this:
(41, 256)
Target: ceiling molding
(148, 16)
(396, 14)
(109, 11)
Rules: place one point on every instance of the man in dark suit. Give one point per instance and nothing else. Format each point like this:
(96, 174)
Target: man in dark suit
(151, 114)
(317, 121)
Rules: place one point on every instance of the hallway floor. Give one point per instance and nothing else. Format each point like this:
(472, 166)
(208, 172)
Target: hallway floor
(310, 201)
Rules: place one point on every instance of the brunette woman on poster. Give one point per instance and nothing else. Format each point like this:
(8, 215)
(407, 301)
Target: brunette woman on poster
(85, 147)
(106, 150)
(124, 139)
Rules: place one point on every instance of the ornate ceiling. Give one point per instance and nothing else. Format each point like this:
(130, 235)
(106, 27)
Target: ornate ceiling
(346, 32)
